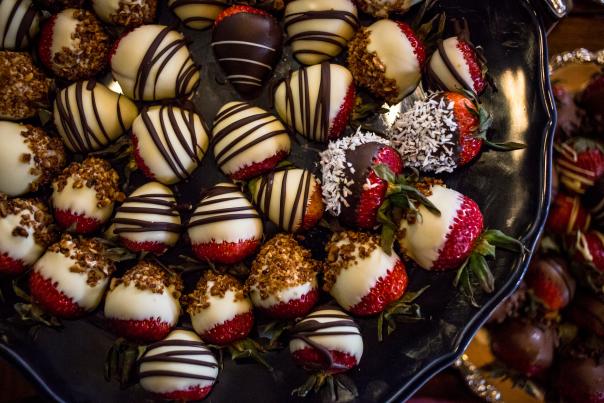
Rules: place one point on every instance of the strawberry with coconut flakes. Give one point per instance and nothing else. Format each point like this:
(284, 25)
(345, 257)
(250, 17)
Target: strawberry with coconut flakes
(26, 230)
(143, 305)
(360, 275)
(169, 143)
(283, 279)
(387, 58)
(197, 14)
(456, 65)
(248, 141)
(84, 195)
(220, 311)
(69, 280)
(443, 132)
(148, 220)
(316, 101)
(579, 163)
(73, 44)
(567, 215)
(152, 62)
(247, 45)
(180, 367)
(351, 188)
(126, 13)
(224, 228)
(29, 158)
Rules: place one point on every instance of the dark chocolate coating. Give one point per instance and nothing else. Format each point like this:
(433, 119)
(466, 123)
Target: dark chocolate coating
(552, 272)
(581, 379)
(587, 311)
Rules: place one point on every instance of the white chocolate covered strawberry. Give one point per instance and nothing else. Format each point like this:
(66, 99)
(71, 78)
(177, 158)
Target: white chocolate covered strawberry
(127, 13)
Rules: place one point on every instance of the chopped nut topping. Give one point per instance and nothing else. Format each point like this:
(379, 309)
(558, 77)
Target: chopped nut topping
(150, 276)
(35, 217)
(132, 13)
(215, 285)
(281, 263)
(48, 155)
(343, 250)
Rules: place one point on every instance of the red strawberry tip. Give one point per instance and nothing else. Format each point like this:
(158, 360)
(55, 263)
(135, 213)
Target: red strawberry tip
(258, 168)
(45, 42)
(140, 162)
(157, 248)
(234, 329)
(295, 308)
(341, 120)
(10, 266)
(418, 47)
(79, 223)
(145, 331)
(192, 393)
(312, 359)
(226, 252)
(44, 292)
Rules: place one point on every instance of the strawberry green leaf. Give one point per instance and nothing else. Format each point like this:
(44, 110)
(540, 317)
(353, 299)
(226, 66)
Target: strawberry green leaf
(404, 310)
(501, 240)
(248, 348)
(508, 146)
(385, 173)
(480, 269)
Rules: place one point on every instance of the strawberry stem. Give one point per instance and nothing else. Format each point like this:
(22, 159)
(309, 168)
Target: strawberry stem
(121, 362)
(248, 348)
(404, 310)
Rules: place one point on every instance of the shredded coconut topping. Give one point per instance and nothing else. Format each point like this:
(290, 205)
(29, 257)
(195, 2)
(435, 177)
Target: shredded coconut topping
(425, 135)
(337, 170)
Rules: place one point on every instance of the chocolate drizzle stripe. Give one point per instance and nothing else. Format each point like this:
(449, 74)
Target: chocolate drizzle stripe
(148, 374)
(216, 201)
(9, 22)
(147, 210)
(23, 31)
(181, 3)
(252, 144)
(231, 217)
(221, 189)
(220, 211)
(167, 357)
(451, 67)
(182, 343)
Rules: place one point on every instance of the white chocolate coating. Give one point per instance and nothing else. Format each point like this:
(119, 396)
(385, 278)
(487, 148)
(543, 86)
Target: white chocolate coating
(16, 16)
(88, 119)
(339, 84)
(360, 276)
(64, 27)
(79, 201)
(282, 296)
(240, 125)
(105, 9)
(221, 309)
(183, 341)
(176, 78)
(126, 302)
(152, 226)
(424, 240)
(56, 267)
(15, 176)
(350, 343)
(456, 57)
(197, 14)
(396, 54)
(184, 153)
(308, 49)
(228, 228)
(25, 249)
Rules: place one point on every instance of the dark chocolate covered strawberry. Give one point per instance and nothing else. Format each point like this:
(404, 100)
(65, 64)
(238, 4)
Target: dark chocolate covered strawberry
(143, 304)
(290, 197)
(247, 45)
(73, 44)
(248, 141)
(579, 163)
(283, 279)
(316, 101)
(567, 215)
(360, 275)
(180, 367)
(69, 280)
(225, 227)
(587, 311)
(443, 132)
(221, 312)
(84, 195)
(551, 282)
(580, 379)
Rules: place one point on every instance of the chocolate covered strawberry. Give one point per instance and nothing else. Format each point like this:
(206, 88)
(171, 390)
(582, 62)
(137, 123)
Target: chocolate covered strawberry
(567, 215)
(593, 201)
(221, 312)
(283, 279)
(169, 142)
(579, 163)
(290, 197)
(589, 249)
(197, 14)
(443, 132)
(143, 305)
(360, 275)
(26, 230)
(551, 282)
(387, 58)
(84, 195)
(180, 367)
(457, 65)
(73, 44)
(69, 280)
(453, 239)
(351, 188)
(587, 311)
(225, 227)
(316, 101)
(580, 378)
(148, 220)
(248, 141)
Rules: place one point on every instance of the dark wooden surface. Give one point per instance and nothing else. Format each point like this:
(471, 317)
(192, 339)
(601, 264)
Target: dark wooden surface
(583, 28)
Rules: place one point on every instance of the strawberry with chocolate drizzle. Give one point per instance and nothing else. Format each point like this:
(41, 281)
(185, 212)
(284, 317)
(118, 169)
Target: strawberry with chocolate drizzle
(360, 275)
(143, 305)
(224, 228)
(290, 198)
(69, 280)
(443, 132)
(26, 230)
(148, 220)
(579, 163)
(316, 101)
(221, 312)
(567, 215)
(73, 44)
(453, 239)
(84, 195)
(283, 279)
(248, 141)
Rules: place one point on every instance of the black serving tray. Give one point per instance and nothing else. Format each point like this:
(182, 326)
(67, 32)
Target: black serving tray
(513, 190)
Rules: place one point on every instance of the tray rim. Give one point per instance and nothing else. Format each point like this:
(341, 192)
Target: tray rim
(530, 239)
